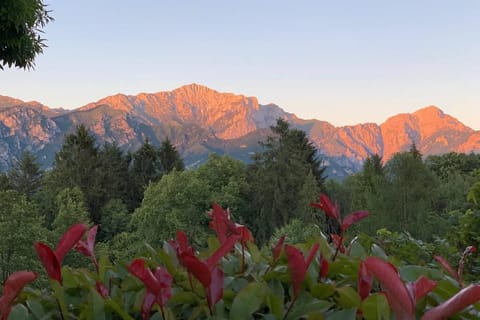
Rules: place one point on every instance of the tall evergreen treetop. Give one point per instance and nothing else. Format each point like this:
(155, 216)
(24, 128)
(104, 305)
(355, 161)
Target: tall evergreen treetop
(25, 176)
(170, 157)
(77, 165)
(279, 177)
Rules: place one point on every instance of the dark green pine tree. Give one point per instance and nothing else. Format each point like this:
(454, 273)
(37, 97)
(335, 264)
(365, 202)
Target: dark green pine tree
(113, 173)
(77, 165)
(170, 157)
(25, 176)
(5, 182)
(277, 179)
(146, 167)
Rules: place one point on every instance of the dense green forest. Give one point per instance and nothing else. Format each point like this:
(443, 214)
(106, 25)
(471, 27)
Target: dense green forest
(419, 207)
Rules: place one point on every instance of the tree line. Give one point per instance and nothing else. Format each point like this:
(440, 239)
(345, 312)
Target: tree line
(145, 196)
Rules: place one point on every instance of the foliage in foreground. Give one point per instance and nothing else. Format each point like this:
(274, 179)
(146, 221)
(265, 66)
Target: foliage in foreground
(233, 279)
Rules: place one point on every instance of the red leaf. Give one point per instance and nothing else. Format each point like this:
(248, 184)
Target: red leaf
(298, 266)
(338, 242)
(328, 207)
(101, 289)
(421, 287)
(69, 239)
(457, 303)
(444, 263)
(165, 280)
(221, 252)
(224, 227)
(245, 234)
(49, 261)
(278, 248)
(353, 218)
(324, 266)
(182, 245)
(311, 255)
(138, 269)
(147, 304)
(215, 290)
(220, 222)
(364, 283)
(199, 269)
(397, 293)
(12, 288)
(87, 247)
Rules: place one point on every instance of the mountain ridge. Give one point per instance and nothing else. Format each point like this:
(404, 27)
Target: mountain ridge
(200, 120)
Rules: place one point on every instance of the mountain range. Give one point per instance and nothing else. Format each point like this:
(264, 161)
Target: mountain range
(199, 120)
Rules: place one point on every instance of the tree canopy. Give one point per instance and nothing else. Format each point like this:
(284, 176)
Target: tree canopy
(21, 24)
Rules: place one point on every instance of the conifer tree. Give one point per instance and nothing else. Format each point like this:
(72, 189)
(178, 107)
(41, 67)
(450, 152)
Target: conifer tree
(25, 176)
(77, 165)
(113, 173)
(278, 176)
(145, 168)
(169, 157)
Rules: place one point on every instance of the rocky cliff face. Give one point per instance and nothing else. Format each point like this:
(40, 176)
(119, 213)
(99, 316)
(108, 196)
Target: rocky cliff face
(200, 120)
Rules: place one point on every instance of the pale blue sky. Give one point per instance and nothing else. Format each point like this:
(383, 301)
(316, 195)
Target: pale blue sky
(342, 61)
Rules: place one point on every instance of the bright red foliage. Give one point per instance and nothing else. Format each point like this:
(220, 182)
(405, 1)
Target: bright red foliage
(52, 260)
(328, 207)
(421, 287)
(224, 227)
(69, 240)
(338, 242)
(444, 263)
(353, 218)
(364, 281)
(298, 265)
(87, 247)
(12, 288)
(207, 273)
(458, 302)
(324, 267)
(101, 289)
(158, 284)
(215, 290)
(397, 293)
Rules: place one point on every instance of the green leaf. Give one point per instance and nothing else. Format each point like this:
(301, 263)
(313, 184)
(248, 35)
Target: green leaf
(378, 252)
(254, 252)
(375, 307)
(275, 304)
(357, 250)
(96, 305)
(322, 291)
(348, 298)
(248, 300)
(183, 298)
(114, 305)
(59, 295)
(36, 308)
(306, 304)
(444, 290)
(412, 273)
(275, 298)
(19, 312)
(349, 314)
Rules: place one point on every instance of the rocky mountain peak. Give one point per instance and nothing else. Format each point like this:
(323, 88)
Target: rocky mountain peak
(6, 102)
(200, 120)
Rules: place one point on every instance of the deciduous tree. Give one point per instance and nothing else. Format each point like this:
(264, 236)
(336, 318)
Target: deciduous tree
(21, 24)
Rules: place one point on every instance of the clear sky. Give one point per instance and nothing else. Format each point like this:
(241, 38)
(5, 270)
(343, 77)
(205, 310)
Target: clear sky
(345, 62)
